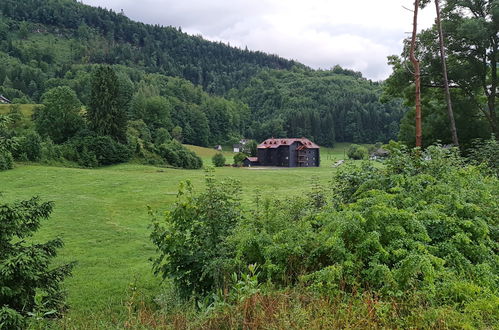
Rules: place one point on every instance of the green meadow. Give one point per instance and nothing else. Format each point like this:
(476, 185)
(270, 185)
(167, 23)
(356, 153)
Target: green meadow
(102, 216)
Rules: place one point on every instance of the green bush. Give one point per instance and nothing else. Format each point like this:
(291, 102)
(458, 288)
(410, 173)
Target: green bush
(190, 238)
(239, 158)
(486, 152)
(29, 147)
(28, 283)
(355, 151)
(218, 160)
(177, 155)
(6, 160)
(420, 231)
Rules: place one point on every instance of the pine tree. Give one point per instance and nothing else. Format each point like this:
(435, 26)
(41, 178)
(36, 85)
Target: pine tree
(105, 115)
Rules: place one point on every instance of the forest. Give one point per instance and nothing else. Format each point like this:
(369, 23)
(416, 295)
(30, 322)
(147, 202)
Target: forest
(228, 94)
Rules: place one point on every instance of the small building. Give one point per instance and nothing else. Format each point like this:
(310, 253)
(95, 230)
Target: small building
(296, 152)
(250, 161)
(218, 147)
(4, 100)
(237, 147)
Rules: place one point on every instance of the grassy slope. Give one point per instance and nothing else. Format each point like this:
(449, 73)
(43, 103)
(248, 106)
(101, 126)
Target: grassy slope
(102, 217)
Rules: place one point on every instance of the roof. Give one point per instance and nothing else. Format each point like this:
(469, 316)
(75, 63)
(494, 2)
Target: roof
(3, 98)
(252, 159)
(276, 143)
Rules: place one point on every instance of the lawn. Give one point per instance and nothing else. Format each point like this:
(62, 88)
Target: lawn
(101, 214)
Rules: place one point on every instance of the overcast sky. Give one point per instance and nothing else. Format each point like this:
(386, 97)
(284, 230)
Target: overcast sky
(356, 34)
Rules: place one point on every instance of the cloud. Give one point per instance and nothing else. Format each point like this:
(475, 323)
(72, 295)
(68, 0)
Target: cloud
(356, 34)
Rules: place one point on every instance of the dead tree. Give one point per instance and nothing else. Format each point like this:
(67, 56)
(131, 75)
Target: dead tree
(417, 76)
(450, 112)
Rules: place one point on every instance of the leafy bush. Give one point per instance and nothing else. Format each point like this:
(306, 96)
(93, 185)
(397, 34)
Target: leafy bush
(421, 231)
(6, 160)
(355, 151)
(486, 152)
(27, 280)
(177, 155)
(218, 160)
(29, 147)
(239, 158)
(91, 151)
(190, 238)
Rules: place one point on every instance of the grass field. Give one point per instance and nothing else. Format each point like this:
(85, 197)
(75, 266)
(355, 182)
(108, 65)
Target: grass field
(101, 214)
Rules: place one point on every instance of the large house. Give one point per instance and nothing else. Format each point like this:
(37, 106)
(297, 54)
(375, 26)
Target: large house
(287, 153)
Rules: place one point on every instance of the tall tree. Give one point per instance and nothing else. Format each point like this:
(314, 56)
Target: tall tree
(417, 75)
(106, 113)
(450, 112)
(59, 117)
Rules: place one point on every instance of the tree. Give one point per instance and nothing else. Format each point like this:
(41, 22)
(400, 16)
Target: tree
(105, 115)
(25, 267)
(59, 118)
(218, 160)
(471, 38)
(450, 112)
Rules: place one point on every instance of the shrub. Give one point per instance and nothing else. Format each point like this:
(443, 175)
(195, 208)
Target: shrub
(355, 151)
(27, 281)
(486, 152)
(6, 160)
(190, 238)
(218, 160)
(29, 147)
(177, 155)
(239, 158)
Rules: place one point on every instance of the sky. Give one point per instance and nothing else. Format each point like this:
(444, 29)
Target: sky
(356, 34)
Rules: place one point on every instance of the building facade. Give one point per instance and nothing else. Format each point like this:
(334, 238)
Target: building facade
(288, 153)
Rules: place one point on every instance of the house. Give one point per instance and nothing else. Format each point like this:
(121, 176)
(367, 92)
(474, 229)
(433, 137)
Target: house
(237, 147)
(250, 161)
(240, 147)
(218, 147)
(4, 100)
(296, 152)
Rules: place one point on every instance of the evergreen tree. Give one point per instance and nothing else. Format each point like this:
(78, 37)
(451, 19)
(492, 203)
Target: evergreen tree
(105, 115)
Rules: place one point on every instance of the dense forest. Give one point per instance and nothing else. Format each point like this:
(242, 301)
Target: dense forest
(213, 92)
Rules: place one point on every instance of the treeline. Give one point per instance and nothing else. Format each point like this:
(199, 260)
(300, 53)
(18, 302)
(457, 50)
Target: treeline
(103, 36)
(325, 106)
(106, 131)
(47, 44)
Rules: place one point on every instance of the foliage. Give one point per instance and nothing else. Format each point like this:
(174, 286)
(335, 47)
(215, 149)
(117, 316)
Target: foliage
(355, 151)
(190, 237)
(27, 281)
(218, 160)
(6, 145)
(59, 118)
(177, 155)
(486, 152)
(239, 158)
(472, 48)
(421, 231)
(29, 147)
(107, 113)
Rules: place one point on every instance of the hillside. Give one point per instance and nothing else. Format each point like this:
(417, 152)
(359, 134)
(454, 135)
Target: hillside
(96, 35)
(45, 44)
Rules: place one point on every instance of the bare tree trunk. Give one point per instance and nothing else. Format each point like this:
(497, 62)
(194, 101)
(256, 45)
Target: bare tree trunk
(450, 112)
(417, 76)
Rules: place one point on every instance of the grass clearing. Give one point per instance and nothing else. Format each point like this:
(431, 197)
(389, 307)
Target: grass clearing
(101, 214)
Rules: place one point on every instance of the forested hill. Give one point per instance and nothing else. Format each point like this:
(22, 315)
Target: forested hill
(213, 93)
(103, 36)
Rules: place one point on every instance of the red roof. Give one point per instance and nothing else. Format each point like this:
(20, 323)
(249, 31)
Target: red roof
(276, 143)
(252, 159)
